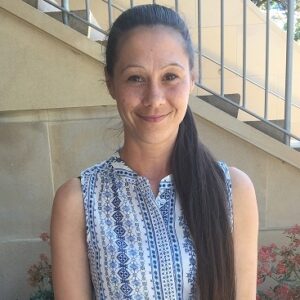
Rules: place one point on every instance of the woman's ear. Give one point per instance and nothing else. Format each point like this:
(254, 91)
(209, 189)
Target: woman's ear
(193, 79)
(109, 83)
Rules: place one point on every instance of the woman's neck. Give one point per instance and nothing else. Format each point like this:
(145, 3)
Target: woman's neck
(150, 161)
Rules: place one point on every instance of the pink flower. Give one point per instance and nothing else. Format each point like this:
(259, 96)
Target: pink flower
(44, 257)
(293, 230)
(281, 268)
(266, 253)
(283, 292)
(34, 276)
(270, 294)
(44, 236)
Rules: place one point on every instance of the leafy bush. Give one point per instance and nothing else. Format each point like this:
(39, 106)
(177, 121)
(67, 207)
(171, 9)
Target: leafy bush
(40, 275)
(278, 275)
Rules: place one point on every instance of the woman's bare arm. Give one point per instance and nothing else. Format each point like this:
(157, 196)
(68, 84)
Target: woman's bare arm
(71, 275)
(245, 234)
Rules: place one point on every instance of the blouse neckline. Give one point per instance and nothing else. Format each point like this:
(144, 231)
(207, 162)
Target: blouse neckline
(119, 163)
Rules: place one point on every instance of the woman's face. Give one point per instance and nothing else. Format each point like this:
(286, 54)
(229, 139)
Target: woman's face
(151, 83)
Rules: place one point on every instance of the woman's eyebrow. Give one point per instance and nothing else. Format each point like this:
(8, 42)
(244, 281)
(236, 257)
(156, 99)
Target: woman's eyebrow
(173, 65)
(131, 66)
(163, 67)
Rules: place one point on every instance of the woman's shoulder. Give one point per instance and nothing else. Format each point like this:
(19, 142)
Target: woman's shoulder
(70, 193)
(241, 184)
(244, 199)
(68, 201)
(70, 189)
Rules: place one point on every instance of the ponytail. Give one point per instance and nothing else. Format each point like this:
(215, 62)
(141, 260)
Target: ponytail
(200, 183)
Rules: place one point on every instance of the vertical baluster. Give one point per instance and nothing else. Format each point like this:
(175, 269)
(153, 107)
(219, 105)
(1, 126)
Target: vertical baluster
(131, 3)
(244, 50)
(176, 5)
(88, 10)
(109, 3)
(266, 108)
(289, 68)
(199, 43)
(65, 16)
(222, 47)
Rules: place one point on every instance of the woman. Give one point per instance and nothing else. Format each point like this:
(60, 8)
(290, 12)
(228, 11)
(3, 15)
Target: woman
(160, 219)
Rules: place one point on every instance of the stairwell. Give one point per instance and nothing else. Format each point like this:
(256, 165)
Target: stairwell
(56, 118)
(214, 100)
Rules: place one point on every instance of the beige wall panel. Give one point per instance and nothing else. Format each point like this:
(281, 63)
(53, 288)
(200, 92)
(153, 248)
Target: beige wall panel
(283, 194)
(255, 100)
(40, 71)
(25, 180)
(99, 11)
(210, 70)
(238, 153)
(255, 49)
(211, 43)
(76, 145)
(16, 257)
(276, 108)
(267, 237)
(76, 4)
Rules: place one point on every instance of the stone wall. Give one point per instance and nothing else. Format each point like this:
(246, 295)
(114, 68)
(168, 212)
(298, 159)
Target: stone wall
(40, 150)
(37, 157)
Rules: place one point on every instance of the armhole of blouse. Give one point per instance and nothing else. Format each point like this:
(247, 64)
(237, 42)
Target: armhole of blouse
(82, 179)
(228, 183)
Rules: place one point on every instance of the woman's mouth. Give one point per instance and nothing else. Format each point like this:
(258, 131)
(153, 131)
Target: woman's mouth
(154, 118)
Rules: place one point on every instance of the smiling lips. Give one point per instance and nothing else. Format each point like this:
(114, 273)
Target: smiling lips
(153, 118)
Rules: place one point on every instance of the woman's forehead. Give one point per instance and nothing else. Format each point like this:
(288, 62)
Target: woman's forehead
(153, 42)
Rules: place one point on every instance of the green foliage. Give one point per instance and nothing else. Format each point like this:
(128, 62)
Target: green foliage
(278, 276)
(40, 275)
(43, 295)
(282, 5)
(297, 30)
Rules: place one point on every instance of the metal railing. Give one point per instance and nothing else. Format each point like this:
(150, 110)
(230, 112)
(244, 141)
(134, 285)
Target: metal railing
(64, 7)
(289, 69)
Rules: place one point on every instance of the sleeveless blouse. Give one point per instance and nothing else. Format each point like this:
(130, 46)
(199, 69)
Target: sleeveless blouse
(139, 246)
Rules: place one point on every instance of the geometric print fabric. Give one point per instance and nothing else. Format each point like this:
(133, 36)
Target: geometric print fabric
(139, 246)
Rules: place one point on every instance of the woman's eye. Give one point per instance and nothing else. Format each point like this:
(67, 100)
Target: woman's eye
(170, 77)
(135, 78)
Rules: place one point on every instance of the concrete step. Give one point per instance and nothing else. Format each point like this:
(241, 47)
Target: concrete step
(103, 43)
(33, 3)
(233, 111)
(295, 144)
(268, 129)
(73, 22)
(223, 105)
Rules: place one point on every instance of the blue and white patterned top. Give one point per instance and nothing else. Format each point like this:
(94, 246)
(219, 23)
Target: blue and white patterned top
(139, 245)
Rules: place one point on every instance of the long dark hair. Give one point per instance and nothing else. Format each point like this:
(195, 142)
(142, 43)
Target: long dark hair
(198, 178)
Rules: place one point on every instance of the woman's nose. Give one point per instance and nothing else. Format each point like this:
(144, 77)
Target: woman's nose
(154, 95)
